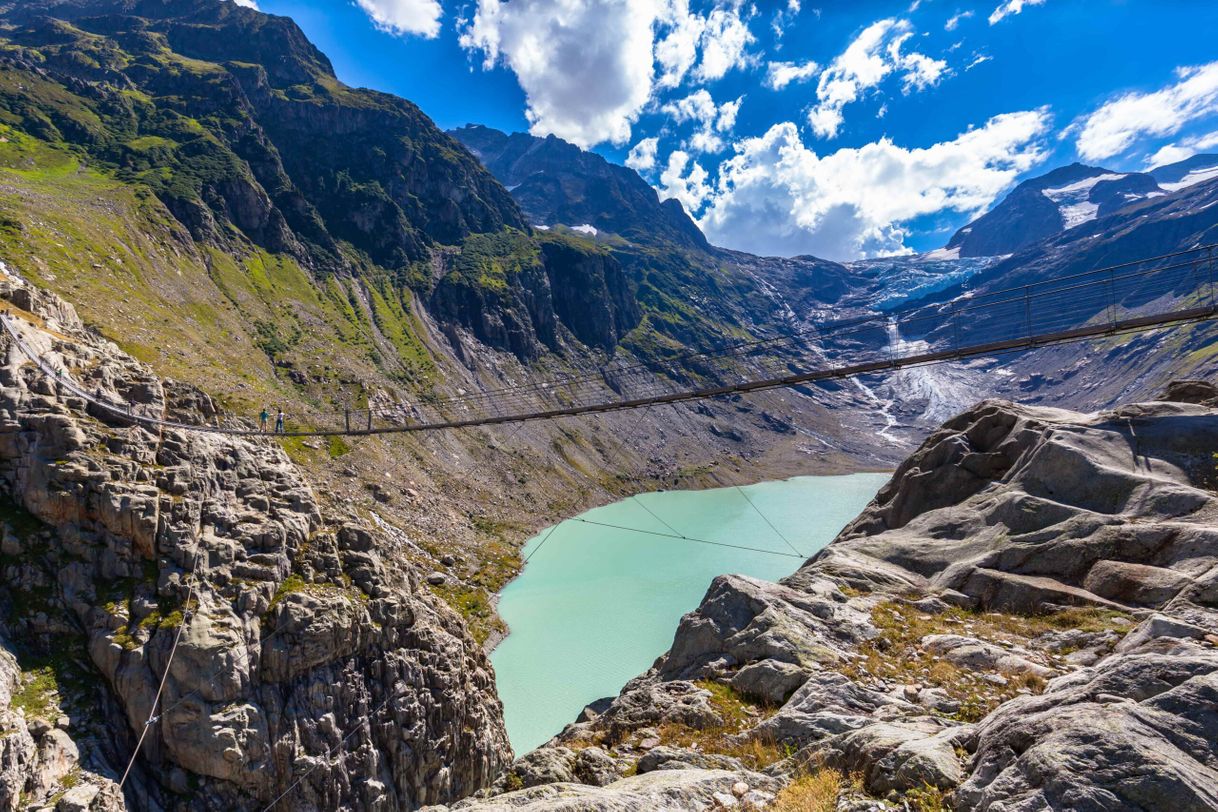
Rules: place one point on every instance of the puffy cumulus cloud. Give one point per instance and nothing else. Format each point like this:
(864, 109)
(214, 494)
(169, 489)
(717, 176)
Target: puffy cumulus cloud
(1171, 153)
(710, 120)
(1011, 7)
(421, 17)
(777, 196)
(685, 180)
(586, 69)
(780, 74)
(921, 71)
(1119, 123)
(704, 46)
(589, 67)
(642, 156)
(874, 55)
(725, 43)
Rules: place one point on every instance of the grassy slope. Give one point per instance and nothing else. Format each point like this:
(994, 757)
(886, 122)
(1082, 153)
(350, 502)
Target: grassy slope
(220, 320)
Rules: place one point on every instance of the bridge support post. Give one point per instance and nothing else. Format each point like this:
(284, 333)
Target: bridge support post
(347, 419)
(369, 418)
(1027, 307)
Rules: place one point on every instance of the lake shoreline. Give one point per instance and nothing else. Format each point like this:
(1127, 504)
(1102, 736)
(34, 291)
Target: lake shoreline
(494, 639)
(598, 606)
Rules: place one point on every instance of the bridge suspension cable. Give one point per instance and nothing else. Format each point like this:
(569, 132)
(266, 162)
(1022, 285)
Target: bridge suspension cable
(1132, 297)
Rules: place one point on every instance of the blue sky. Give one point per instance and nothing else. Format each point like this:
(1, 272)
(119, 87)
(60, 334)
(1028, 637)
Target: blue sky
(897, 122)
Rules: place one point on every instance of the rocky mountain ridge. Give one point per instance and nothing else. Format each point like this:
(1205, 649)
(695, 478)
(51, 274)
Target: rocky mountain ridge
(557, 183)
(1026, 617)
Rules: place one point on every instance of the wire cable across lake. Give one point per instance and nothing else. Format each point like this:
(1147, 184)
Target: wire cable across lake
(682, 537)
(766, 519)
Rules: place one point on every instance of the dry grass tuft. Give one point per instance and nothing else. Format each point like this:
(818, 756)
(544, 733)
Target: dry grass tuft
(739, 716)
(926, 799)
(896, 656)
(814, 792)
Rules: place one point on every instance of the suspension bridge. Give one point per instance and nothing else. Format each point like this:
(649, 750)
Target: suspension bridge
(1132, 297)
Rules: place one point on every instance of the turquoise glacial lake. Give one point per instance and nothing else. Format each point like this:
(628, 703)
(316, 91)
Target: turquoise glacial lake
(596, 605)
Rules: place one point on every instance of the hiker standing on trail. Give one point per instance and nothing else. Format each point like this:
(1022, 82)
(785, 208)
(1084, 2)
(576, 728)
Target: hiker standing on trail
(279, 422)
(265, 416)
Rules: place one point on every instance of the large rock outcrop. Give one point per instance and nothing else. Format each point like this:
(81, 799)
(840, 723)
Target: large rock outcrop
(311, 667)
(1025, 618)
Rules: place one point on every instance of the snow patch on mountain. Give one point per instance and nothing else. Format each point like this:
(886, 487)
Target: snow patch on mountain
(1074, 200)
(1192, 178)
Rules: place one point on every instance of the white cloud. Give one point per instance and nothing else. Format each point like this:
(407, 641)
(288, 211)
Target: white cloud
(677, 51)
(783, 18)
(588, 69)
(921, 71)
(247, 4)
(725, 43)
(874, 55)
(780, 74)
(1010, 7)
(1171, 153)
(1203, 142)
(777, 196)
(721, 38)
(979, 59)
(710, 119)
(401, 17)
(1119, 123)
(956, 19)
(689, 188)
(642, 156)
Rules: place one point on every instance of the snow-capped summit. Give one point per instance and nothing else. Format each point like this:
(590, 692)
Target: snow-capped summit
(1066, 198)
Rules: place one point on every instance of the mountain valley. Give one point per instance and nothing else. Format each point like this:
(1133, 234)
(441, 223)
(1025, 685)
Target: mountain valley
(199, 219)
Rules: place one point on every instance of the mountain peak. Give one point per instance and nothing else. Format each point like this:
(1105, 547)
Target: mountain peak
(556, 182)
(1063, 175)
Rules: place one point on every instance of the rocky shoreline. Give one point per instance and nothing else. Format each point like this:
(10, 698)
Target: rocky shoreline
(1026, 617)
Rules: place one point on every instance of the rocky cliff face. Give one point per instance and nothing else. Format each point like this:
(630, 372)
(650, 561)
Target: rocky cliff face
(309, 661)
(1026, 617)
